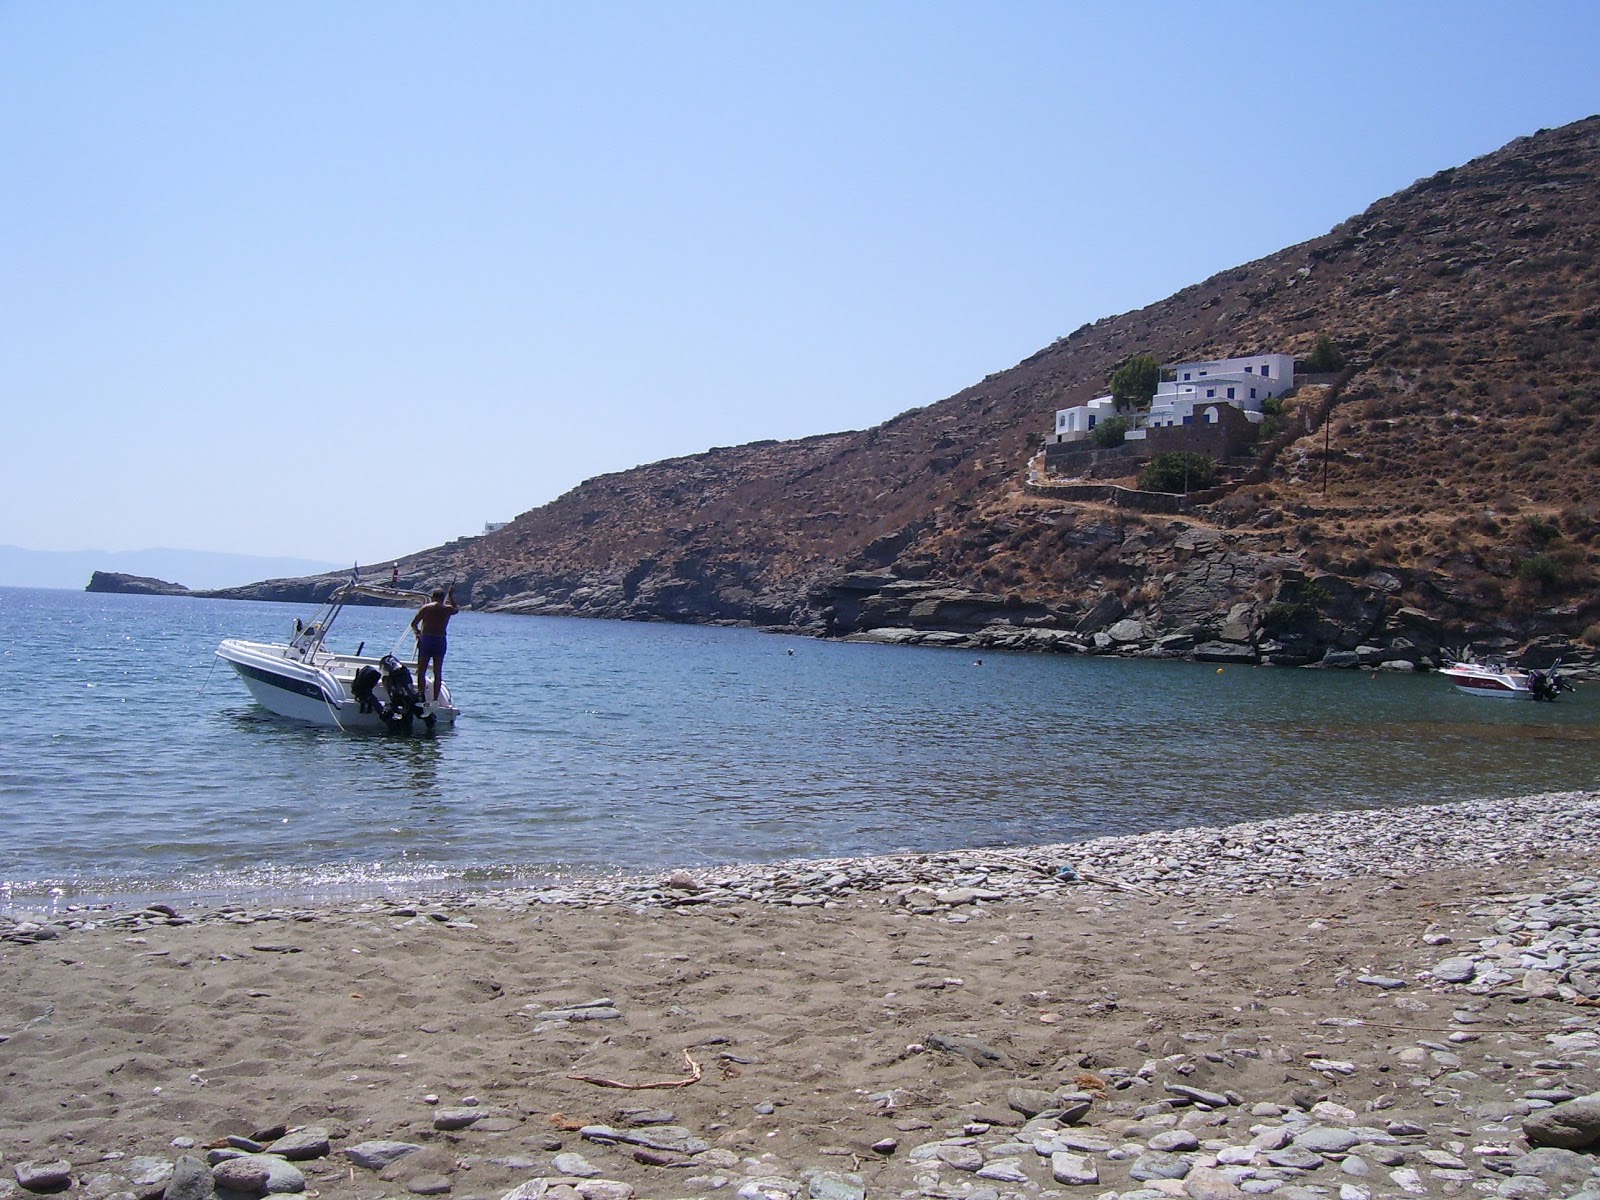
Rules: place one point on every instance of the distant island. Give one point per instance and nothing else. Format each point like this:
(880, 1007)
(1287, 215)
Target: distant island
(133, 585)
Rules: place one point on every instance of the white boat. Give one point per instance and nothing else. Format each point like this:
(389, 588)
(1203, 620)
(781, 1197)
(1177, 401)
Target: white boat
(1498, 680)
(305, 681)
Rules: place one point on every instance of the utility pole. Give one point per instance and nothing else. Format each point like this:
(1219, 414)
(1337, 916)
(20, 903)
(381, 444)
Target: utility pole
(1327, 425)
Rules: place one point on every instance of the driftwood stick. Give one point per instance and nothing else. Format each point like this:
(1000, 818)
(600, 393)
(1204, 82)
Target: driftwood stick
(693, 1077)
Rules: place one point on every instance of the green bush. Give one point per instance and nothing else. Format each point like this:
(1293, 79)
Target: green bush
(1110, 432)
(1178, 471)
(1543, 572)
(1325, 357)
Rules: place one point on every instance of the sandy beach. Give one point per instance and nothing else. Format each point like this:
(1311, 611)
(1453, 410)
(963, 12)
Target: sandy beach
(1348, 1005)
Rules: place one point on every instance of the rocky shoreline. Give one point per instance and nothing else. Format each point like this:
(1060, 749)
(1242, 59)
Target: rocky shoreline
(1330, 1006)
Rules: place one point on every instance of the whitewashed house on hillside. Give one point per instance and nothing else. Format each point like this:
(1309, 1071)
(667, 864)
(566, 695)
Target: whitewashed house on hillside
(1241, 382)
(1191, 396)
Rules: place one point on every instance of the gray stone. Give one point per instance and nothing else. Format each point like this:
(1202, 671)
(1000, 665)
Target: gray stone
(428, 1185)
(1387, 982)
(1455, 970)
(960, 1158)
(1156, 1164)
(1208, 1183)
(44, 1176)
(1297, 1157)
(1003, 1170)
(1030, 1102)
(1198, 1095)
(1574, 1125)
(1564, 1170)
(835, 1185)
(1175, 1140)
(457, 1118)
(376, 1155)
(191, 1180)
(1326, 1139)
(147, 1171)
(247, 1174)
(576, 1165)
(299, 1145)
(1523, 1187)
(1073, 1168)
(283, 1176)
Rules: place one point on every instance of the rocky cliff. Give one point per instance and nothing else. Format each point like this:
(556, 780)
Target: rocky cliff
(1444, 491)
(133, 585)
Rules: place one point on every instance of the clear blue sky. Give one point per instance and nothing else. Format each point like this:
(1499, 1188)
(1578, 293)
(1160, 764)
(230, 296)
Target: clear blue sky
(345, 280)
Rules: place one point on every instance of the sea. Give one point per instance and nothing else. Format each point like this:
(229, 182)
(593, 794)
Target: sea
(134, 765)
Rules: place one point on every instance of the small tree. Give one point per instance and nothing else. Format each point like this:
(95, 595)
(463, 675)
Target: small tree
(1178, 471)
(1325, 357)
(1110, 432)
(1135, 381)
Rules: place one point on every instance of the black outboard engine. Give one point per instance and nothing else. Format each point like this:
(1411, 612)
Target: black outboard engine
(1547, 685)
(404, 703)
(366, 680)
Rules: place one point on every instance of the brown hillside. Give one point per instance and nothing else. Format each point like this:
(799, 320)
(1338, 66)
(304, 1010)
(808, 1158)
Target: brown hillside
(1463, 479)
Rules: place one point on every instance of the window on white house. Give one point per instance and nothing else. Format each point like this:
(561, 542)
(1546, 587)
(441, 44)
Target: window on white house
(1230, 393)
(1252, 393)
(1211, 393)
(1264, 370)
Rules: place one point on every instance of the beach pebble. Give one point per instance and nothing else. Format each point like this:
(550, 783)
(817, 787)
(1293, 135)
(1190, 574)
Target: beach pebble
(1156, 1164)
(247, 1173)
(1326, 1139)
(959, 1158)
(1174, 1140)
(376, 1155)
(1073, 1168)
(1574, 1125)
(51, 1176)
(835, 1185)
(569, 1163)
(298, 1145)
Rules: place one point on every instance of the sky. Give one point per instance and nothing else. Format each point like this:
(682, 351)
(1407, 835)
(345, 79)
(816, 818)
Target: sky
(346, 280)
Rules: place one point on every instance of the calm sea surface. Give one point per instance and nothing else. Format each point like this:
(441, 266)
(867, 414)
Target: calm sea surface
(134, 764)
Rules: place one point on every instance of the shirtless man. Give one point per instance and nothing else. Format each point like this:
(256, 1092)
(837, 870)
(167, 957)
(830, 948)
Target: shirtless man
(429, 625)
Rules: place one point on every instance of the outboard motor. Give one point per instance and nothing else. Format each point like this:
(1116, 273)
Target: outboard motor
(404, 703)
(367, 679)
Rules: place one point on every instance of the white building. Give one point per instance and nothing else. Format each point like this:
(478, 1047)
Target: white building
(1074, 424)
(1245, 383)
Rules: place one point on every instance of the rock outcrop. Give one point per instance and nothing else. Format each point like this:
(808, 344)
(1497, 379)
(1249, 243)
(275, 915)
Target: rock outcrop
(133, 585)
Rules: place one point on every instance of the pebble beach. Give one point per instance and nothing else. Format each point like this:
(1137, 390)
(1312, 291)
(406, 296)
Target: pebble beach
(1331, 1006)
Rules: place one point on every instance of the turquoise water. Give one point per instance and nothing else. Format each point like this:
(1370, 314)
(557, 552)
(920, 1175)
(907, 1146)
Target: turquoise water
(133, 766)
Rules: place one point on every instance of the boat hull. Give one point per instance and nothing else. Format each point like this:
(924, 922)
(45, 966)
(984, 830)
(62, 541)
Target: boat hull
(319, 692)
